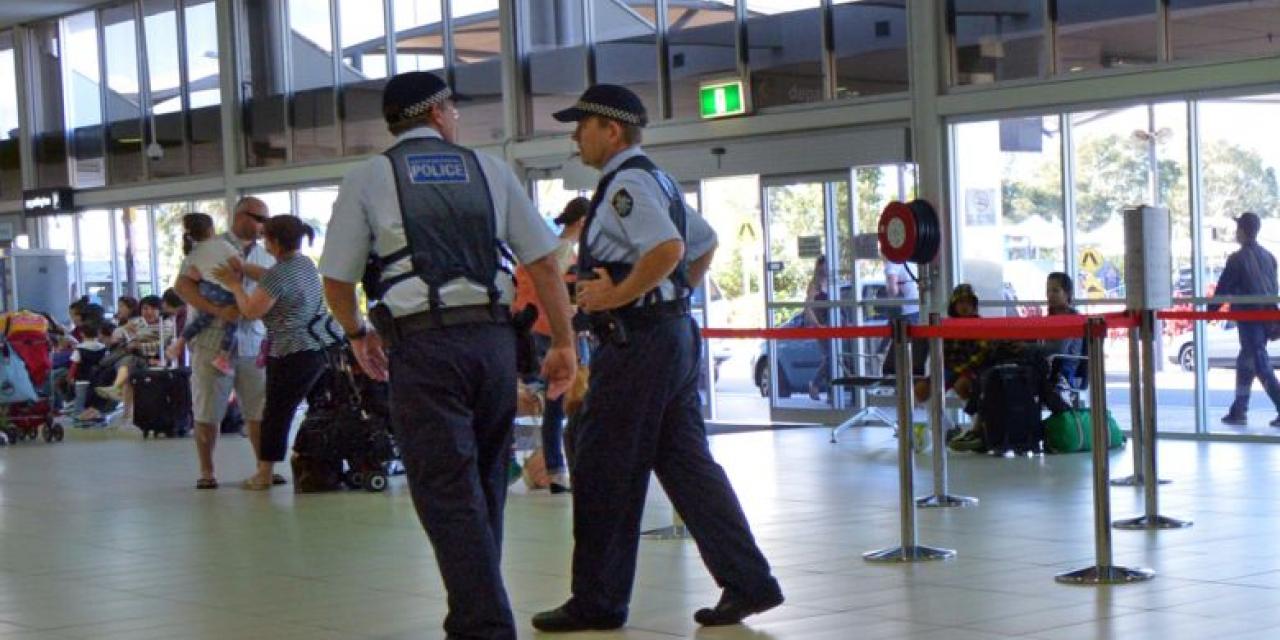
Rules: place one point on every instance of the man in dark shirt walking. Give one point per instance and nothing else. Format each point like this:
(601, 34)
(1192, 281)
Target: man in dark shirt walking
(1250, 271)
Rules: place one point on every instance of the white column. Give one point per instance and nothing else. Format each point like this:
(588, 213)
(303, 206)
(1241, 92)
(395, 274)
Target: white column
(927, 60)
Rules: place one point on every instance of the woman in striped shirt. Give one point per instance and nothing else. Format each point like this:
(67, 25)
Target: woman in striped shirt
(290, 301)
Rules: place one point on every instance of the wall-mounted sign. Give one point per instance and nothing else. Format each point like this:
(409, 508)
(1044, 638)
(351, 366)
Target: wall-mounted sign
(775, 267)
(809, 246)
(47, 202)
(721, 99)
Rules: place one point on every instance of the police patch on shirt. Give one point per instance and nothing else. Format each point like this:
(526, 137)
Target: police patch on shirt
(622, 203)
(435, 168)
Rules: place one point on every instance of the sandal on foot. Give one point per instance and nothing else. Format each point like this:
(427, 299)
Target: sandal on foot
(251, 484)
(206, 483)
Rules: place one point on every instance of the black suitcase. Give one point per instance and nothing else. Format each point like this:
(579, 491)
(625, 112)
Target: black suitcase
(1010, 409)
(162, 401)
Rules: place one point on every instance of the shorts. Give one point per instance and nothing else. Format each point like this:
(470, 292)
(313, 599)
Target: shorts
(211, 390)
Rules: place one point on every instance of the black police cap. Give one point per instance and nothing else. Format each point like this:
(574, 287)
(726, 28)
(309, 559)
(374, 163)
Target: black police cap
(610, 101)
(409, 95)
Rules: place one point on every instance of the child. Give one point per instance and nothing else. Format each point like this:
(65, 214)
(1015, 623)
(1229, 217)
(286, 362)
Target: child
(84, 362)
(205, 252)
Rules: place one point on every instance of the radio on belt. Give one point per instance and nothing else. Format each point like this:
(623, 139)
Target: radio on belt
(909, 232)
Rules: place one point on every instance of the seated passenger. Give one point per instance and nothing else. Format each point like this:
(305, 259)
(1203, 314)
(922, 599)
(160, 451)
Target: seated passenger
(962, 360)
(1065, 372)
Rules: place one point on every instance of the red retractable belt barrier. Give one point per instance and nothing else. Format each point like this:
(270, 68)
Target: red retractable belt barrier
(1040, 328)
(1238, 316)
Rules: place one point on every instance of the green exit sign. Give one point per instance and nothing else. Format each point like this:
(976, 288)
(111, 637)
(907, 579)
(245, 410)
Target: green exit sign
(721, 99)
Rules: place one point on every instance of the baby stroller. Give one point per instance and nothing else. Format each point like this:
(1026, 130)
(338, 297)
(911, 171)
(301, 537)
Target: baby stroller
(345, 438)
(26, 387)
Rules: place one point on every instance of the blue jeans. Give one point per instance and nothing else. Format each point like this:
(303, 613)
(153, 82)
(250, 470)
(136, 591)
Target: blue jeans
(552, 418)
(1254, 362)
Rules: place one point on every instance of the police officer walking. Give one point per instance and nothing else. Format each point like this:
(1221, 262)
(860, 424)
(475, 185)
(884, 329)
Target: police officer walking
(440, 217)
(646, 250)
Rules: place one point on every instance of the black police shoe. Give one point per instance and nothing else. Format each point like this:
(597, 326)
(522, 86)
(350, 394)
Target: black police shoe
(732, 609)
(561, 621)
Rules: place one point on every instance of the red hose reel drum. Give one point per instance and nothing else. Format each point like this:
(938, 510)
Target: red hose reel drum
(909, 232)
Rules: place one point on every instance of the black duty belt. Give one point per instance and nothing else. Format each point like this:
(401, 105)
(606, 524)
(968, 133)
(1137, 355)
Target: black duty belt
(606, 324)
(406, 326)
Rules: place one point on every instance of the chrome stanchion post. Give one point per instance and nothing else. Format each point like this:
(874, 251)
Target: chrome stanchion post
(676, 531)
(909, 551)
(1151, 519)
(1102, 572)
(940, 497)
(1137, 438)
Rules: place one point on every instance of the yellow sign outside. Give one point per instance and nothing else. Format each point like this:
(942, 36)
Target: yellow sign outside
(1092, 286)
(1091, 260)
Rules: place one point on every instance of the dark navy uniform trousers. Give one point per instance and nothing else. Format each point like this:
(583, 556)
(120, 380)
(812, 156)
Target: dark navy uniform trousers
(641, 415)
(453, 402)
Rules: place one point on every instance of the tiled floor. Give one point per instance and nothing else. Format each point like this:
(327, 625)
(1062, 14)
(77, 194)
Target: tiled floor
(102, 538)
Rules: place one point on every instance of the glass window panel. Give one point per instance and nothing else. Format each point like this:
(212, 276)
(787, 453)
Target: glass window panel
(10, 147)
(784, 51)
(166, 149)
(315, 205)
(870, 47)
(50, 139)
(315, 135)
(419, 35)
(1215, 29)
(1238, 168)
(82, 97)
(96, 257)
(626, 37)
(1102, 35)
(133, 251)
(362, 34)
(262, 80)
(277, 202)
(204, 89)
(58, 232)
(998, 41)
(168, 236)
(702, 45)
(553, 33)
(477, 64)
(1009, 195)
(124, 95)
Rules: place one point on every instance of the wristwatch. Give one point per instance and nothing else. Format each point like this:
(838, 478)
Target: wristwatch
(359, 333)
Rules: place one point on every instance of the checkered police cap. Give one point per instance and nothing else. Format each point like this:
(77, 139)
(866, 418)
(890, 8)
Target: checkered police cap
(409, 95)
(607, 100)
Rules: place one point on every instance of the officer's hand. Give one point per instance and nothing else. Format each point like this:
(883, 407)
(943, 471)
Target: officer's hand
(596, 294)
(559, 368)
(370, 355)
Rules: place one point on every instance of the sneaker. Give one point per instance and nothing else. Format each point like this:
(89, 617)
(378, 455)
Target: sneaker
(967, 441)
(559, 483)
(119, 421)
(953, 433)
(222, 362)
(110, 393)
(1276, 422)
(1238, 420)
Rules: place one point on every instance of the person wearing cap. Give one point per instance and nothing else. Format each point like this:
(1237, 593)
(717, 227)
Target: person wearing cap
(444, 223)
(571, 221)
(640, 255)
(1250, 271)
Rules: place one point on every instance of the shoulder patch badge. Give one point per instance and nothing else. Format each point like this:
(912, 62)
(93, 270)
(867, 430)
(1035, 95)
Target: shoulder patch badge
(622, 203)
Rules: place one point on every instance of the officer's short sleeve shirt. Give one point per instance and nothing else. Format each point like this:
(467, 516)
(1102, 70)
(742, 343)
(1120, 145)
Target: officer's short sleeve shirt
(366, 217)
(633, 218)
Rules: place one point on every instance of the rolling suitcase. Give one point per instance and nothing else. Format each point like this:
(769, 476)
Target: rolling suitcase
(162, 398)
(1010, 409)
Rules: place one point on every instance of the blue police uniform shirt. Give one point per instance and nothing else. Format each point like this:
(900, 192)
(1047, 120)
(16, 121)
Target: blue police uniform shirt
(366, 216)
(633, 219)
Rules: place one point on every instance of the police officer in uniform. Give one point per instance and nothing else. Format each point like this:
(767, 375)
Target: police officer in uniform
(440, 218)
(646, 250)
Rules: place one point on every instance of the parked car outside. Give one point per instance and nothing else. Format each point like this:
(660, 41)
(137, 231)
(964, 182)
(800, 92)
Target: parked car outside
(717, 317)
(798, 360)
(1222, 347)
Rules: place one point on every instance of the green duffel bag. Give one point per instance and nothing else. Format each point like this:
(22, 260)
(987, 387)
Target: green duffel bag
(1072, 430)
